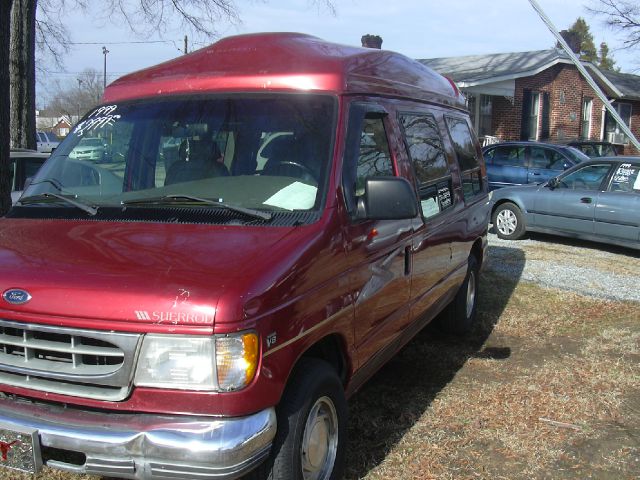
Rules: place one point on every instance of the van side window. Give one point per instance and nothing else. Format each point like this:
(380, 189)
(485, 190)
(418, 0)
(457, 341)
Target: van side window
(429, 162)
(467, 158)
(374, 159)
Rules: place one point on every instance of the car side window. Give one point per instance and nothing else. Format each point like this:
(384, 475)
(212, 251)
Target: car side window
(539, 157)
(374, 157)
(508, 156)
(431, 168)
(467, 157)
(589, 177)
(626, 178)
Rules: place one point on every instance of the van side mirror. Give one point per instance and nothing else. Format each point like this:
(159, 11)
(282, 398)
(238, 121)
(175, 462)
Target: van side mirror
(387, 198)
(553, 183)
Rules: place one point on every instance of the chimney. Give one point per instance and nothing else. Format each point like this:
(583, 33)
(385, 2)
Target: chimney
(371, 41)
(572, 39)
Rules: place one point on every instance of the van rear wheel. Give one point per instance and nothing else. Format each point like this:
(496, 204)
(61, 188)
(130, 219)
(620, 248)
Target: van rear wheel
(460, 315)
(312, 417)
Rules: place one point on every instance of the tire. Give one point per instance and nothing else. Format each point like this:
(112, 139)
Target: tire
(509, 222)
(310, 443)
(460, 316)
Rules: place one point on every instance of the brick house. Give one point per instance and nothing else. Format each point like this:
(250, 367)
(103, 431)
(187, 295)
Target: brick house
(541, 95)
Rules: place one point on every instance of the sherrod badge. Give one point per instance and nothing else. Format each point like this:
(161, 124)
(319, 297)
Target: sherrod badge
(16, 296)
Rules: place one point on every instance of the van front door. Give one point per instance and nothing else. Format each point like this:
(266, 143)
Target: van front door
(378, 251)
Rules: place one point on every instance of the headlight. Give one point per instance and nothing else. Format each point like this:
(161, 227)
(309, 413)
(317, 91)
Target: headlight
(198, 363)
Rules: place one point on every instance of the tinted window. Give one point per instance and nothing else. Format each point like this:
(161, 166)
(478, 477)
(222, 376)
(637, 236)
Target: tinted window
(425, 147)
(587, 178)
(374, 159)
(540, 157)
(626, 178)
(462, 143)
(429, 162)
(547, 158)
(508, 156)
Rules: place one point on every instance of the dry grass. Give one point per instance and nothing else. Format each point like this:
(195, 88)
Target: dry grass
(548, 386)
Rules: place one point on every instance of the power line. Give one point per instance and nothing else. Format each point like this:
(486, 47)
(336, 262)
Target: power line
(122, 43)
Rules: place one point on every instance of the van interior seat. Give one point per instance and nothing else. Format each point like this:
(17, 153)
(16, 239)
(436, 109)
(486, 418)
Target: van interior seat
(197, 159)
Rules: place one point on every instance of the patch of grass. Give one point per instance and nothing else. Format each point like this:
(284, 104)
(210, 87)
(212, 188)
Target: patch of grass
(551, 384)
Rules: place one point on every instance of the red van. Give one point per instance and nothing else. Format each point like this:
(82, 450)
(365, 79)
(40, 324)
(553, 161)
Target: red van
(276, 217)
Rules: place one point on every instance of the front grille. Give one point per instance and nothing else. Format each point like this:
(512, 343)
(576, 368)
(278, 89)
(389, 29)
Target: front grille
(87, 363)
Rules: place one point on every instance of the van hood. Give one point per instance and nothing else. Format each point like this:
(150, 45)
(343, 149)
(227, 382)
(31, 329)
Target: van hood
(149, 276)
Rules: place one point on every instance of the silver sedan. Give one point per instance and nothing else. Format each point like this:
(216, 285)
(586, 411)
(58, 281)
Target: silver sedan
(597, 200)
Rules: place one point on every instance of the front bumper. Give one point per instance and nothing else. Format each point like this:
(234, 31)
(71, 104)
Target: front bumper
(146, 446)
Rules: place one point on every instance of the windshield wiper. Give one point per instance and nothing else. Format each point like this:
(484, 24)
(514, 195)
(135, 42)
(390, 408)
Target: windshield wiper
(48, 196)
(189, 199)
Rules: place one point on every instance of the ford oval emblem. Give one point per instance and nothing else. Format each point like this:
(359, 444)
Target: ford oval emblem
(16, 296)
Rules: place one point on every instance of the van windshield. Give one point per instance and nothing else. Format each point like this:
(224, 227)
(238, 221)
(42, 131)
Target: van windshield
(266, 153)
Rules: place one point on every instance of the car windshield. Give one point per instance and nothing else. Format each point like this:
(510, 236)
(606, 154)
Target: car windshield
(261, 152)
(575, 154)
(90, 142)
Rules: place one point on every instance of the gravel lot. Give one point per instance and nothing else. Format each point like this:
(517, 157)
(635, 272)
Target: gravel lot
(585, 268)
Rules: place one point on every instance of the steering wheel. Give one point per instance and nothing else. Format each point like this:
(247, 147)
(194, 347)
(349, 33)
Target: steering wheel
(304, 172)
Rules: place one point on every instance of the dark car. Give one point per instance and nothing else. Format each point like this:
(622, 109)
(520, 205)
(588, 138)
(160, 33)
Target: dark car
(594, 149)
(519, 163)
(597, 200)
(24, 164)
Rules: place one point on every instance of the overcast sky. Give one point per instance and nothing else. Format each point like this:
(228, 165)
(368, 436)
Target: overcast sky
(417, 28)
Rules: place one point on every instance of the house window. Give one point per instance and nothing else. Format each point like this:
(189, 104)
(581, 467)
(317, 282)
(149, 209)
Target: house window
(613, 132)
(534, 114)
(486, 108)
(585, 126)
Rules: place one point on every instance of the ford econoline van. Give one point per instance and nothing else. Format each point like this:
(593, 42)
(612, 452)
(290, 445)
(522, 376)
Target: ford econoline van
(277, 217)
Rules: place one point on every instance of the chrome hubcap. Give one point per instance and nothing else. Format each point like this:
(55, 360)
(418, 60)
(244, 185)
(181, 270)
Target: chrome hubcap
(506, 222)
(320, 441)
(471, 293)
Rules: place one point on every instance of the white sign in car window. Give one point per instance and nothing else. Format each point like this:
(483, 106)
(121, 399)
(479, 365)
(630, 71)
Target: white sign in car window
(297, 196)
(636, 184)
(429, 207)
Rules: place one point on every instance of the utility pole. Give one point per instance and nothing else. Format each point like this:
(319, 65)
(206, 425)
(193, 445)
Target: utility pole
(104, 52)
(79, 85)
(186, 40)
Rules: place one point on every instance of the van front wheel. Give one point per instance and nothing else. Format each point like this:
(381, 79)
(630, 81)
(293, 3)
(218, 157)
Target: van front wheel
(311, 436)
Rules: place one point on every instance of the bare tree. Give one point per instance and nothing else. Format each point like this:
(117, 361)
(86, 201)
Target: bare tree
(22, 72)
(5, 161)
(74, 100)
(622, 16)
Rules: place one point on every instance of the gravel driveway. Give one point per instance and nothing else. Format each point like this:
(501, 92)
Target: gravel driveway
(582, 267)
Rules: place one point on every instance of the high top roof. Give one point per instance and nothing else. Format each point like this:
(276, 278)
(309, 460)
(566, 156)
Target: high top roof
(271, 62)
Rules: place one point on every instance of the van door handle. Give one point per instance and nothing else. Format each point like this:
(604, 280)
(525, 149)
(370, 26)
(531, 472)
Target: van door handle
(586, 199)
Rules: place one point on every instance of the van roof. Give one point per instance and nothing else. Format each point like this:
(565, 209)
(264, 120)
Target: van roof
(269, 62)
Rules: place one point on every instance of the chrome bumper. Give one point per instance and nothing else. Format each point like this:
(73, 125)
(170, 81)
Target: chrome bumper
(147, 446)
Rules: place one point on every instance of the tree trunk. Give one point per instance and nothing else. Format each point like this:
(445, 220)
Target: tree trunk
(22, 69)
(5, 162)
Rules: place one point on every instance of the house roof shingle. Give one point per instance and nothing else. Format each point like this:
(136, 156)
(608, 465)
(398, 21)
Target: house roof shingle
(479, 69)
